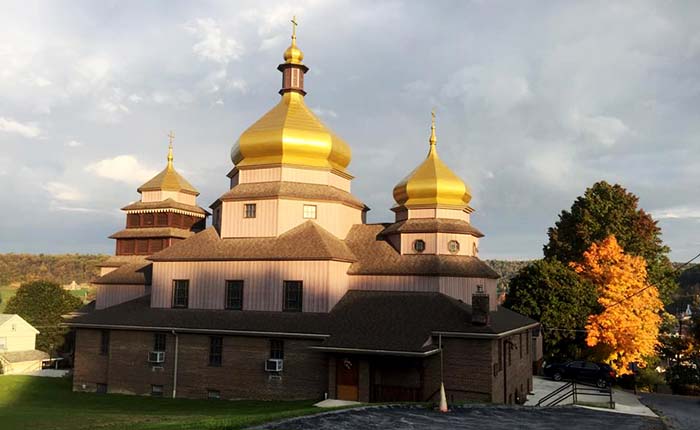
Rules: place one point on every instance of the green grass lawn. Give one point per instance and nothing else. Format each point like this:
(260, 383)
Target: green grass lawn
(5, 293)
(28, 402)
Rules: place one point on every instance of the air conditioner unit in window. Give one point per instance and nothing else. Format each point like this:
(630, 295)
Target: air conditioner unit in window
(156, 357)
(274, 365)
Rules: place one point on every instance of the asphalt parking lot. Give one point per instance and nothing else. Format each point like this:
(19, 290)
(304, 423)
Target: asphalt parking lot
(679, 412)
(483, 417)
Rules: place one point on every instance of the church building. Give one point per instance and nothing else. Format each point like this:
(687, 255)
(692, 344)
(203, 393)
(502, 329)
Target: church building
(290, 293)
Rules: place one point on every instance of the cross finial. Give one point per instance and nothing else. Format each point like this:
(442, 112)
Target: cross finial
(171, 137)
(294, 27)
(433, 138)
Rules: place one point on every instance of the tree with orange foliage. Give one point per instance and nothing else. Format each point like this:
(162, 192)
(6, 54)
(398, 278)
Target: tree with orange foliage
(628, 327)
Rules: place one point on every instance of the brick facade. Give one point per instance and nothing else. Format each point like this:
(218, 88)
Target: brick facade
(241, 375)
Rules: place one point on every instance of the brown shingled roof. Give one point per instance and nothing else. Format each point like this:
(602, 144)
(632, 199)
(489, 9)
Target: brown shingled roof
(152, 232)
(120, 260)
(375, 256)
(308, 241)
(135, 273)
(293, 190)
(432, 225)
(164, 204)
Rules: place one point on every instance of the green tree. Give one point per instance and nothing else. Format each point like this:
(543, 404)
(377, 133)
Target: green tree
(41, 304)
(606, 210)
(553, 294)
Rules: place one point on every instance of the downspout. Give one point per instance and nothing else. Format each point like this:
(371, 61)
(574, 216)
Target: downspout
(506, 345)
(177, 345)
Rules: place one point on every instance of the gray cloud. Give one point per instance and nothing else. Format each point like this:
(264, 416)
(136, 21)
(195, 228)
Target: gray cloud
(535, 101)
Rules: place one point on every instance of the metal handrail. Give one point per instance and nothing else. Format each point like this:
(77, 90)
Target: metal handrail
(559, 390)
(574, 389)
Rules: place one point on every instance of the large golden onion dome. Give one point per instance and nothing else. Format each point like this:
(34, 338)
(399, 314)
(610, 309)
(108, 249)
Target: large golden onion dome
(432, 184)
(290, 133)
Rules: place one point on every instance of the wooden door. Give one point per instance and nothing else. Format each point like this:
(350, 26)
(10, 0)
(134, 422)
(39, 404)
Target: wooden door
(347, 379)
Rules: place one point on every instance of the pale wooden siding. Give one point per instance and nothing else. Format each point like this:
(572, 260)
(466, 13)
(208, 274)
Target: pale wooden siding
(466, 243)
(452, 214)
(463, 288)
(394, 283)
(262, 283)
(263, 225)
(110, 295)
(338, 282)
(19, 335)
(264, 174)
(106, 270)
(292, 174)
(334, 217)
(430, 240)
(151, 196)
(339, 182)
(157, 196)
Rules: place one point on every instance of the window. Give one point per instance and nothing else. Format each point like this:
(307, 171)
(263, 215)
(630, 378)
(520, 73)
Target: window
(419, 245)
(104, 342)
(249, 210)
(159, 342)
(162, 218)
(101, 388)
(215, 350)
(453, 246)
(132, 220)
(234, 295)
(181, 292)
(156, 245)
(277, 348)
(147, 219)
(309, 212)
(213, 394)
(142, 246)
(157, 390)
(292, 296)
(177, 219)
(127, 246)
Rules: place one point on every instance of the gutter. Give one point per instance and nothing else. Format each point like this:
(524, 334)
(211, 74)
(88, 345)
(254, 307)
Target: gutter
(485, 335)
(198, 330)
(376, 351)
(177, 351)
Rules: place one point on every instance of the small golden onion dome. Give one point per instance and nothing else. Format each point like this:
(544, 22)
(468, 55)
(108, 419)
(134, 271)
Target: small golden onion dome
(169, 179)
(290, 133)
(293, 54)
(432, 183)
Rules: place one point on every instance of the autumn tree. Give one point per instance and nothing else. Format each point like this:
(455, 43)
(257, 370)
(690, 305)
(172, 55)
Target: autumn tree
(41, 304)
(627, 329)
(553, 294)
(606, 210)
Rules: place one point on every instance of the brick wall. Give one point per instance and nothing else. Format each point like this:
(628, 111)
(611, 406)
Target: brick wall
(241, 375)
(516, 368)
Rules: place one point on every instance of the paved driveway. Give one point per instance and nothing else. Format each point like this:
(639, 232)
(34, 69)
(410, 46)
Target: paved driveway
(679, 412)
(482, 417)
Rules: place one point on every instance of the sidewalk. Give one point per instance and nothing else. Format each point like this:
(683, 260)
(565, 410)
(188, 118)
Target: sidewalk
(625, 402)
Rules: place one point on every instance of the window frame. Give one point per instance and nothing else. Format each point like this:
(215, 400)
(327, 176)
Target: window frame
(250, 210)
(286, 296)
(416, 246)
(277, 349)
(216, 351)
(315, 211)
(232, 284)
(213, 394)
(104, 342)
(101, 388)
(155, 390)
(160, 342)
(453, 243)
(176, 284)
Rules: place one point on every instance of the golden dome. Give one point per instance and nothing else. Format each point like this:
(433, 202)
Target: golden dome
(169, 179)
(432, 184)
(290, 133)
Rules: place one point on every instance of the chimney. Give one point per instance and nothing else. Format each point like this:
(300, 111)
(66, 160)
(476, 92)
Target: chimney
(480, 307)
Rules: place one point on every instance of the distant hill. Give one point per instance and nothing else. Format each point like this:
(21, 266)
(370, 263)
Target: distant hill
(507, 269)
(63, 268)
(689, 287)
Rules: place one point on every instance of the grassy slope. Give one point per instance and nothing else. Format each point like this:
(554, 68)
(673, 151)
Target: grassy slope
(5, 294)
(35, 403)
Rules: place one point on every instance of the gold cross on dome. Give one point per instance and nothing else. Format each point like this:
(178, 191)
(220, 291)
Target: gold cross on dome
(294, 26)
(171, 137)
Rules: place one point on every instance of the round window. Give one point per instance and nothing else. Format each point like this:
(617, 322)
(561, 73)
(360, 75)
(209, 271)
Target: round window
(419, 245)
(453, 246)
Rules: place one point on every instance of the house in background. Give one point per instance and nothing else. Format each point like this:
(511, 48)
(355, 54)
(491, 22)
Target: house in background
(17, 343)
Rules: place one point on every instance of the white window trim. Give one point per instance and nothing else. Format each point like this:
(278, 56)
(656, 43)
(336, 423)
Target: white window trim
(315, 211)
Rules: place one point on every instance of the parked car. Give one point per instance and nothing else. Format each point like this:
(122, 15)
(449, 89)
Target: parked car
(585, 371)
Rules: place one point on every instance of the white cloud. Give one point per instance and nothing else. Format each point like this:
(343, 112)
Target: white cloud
(604, 129)
(493, 88)
(213, 44)
(63, 192)
(678, 212)
(237, 84)
(122, 168)
(9, 125)
(325, 112)
(73, 144)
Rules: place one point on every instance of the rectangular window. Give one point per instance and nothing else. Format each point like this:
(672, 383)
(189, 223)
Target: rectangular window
(148, 219)
(104, 342)
(277, 349)
(215, 349)
(177, 220)
(162, 218)
(234, 295)
(142, 246)
(213, 394)
(309, 212)
(159, 342)
(181, 293)
(157, 390)
(132, 220)
(156, 245)
(293, 296)
(249, 210)
(127, 246)
(101, 388)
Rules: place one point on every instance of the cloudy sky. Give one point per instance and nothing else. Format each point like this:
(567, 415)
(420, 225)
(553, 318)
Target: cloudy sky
(535, 102)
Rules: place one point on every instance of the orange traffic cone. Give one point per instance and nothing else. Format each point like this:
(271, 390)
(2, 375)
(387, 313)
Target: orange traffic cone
(443, 398)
